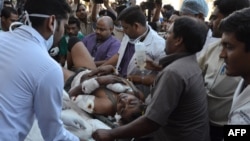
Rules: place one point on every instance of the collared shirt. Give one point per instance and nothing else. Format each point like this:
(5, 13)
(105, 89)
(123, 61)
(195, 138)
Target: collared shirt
(240, 110)
(178, 100)
(154, 45)
(130, 50)
(31, 86)
(220, 87)
(104, 50)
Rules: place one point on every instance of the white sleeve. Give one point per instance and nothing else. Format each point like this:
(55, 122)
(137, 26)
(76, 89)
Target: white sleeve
(48, 106)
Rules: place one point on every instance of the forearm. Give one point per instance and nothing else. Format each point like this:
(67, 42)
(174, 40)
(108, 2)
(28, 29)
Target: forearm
(99, 63)
(144, 80)
(94, 12)
(140, 127)
(112, 61)
(156, 16)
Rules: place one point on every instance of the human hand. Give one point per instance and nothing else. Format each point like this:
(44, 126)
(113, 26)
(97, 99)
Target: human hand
(74, 92)
(109, 79)
(54, 51)
(102, 70)
(102, 135)
(151, 65)
(145, 80)
(106, 3)
(158, 4)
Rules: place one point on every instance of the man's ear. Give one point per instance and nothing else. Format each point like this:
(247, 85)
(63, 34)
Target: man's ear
(51, 22)
(111, 29)
(178, 41)
(136, 25)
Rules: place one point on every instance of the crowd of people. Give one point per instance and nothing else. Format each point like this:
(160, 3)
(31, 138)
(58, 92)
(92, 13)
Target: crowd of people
(194, 81)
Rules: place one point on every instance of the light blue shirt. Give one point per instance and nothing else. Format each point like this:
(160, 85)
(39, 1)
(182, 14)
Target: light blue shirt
(31, 86)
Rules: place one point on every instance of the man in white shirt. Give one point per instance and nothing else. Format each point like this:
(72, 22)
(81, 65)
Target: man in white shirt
(136, 30)
(31, 81)
(236, 54)
(220, 87)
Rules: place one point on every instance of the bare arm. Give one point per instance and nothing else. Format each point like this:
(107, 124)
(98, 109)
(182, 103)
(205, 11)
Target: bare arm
(67, 74)
(156, 15)
(108, 7)
(81, 57)
(112, 61)
(99, 63)
(94, 12)
(145, 80)
(140, 127)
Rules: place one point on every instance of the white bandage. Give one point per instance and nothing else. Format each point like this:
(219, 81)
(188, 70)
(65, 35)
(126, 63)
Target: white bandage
(88, 86)
(117, 117)
(85, 102)
(77, 78)
(118, 87)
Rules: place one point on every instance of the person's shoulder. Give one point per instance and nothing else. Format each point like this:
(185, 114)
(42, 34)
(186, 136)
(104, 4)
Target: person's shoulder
(210, 51)
(90, 36)
(114, 39)
(155, 37)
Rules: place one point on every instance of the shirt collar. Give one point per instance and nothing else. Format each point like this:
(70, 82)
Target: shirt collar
(172, 57)
(34, 34)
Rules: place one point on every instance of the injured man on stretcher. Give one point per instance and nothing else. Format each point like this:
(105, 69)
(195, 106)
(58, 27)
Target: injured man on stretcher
(84, 96)
(107, 95)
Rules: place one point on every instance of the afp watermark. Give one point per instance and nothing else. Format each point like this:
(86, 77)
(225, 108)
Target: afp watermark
(237, 133)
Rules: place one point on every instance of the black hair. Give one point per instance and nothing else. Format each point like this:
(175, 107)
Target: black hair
(7, 11)
(192, 31)
(73, 20)
(135, 115)
(168, 7)
(132, 15)
(239, 24)
(227, 7)
(176, 12)
(170, 10)
(59, 8)
(107, 13)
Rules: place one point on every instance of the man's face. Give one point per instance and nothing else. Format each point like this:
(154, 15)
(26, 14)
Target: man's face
(103, 30)
(82, 13)
(6, 22)
(129, 30)
(59, 30)
(170, 48)
(128, 105)
(235, 56)
(72, 30)
(215, 19)
(171, 20)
